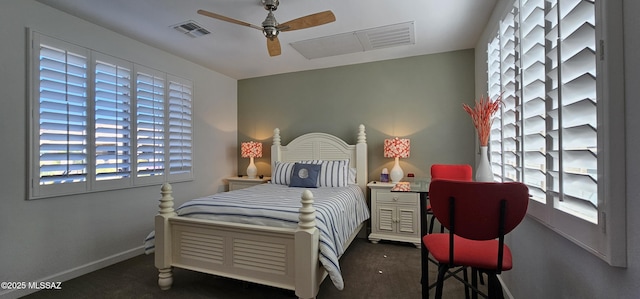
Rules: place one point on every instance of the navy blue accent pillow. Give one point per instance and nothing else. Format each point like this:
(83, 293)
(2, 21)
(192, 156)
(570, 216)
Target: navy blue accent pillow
(305, 175)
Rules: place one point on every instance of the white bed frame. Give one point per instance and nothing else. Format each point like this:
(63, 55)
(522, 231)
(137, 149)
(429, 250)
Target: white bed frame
(281, 257)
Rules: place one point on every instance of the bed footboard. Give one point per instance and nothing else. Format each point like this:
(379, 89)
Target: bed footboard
(280, 257)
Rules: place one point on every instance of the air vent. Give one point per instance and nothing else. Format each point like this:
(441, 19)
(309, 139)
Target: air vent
(191, 28)
(387, 36)
(357, 41)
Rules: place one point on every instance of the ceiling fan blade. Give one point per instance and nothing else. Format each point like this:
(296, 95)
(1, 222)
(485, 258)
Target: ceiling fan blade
(273, 46)
(311, 20)
(226, 19)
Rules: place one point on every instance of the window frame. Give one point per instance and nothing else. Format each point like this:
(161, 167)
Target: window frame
(91, 184)
(607, 238)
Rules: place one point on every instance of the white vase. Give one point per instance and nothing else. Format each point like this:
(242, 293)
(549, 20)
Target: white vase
(483, 169)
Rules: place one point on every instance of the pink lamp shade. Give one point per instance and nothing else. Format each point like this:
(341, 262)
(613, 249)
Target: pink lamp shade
(396, 148)
(251, 150)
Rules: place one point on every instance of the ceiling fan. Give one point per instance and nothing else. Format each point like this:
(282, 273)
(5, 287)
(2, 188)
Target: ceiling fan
(271, 28)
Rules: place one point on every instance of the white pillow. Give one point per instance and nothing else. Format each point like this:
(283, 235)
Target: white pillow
(334, 173)
(353, 173)
(282, 173)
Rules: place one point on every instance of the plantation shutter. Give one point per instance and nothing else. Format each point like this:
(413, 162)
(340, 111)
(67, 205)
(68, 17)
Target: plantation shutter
(574, 167)
(554, 129)
(534, 104)
(494, 90)
(112, 119)
(505, 141)
(150, 123)
(180, 128)
(62, 111)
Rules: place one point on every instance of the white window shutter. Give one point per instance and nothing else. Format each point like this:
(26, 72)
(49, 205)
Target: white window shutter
(150, 123)
(113, 144)
(60, 130)
(180, 128)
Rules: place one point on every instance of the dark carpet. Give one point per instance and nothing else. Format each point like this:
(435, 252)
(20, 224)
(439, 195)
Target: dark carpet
(384, 270)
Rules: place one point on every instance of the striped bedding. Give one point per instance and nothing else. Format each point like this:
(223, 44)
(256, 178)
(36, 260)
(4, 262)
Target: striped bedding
(339, 211)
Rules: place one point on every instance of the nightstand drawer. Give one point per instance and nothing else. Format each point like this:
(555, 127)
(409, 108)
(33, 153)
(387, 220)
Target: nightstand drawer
(397, 198)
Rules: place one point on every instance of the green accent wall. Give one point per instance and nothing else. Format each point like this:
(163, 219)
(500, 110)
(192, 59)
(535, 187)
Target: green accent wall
(417, 97)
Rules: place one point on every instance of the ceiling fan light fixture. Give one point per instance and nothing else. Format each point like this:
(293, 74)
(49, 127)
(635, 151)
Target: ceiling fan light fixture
(270, 32)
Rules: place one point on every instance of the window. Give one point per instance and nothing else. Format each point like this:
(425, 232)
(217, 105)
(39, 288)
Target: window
(180, 130)
(553, 131)
(150, 123)
(112, 94)
(102, 123)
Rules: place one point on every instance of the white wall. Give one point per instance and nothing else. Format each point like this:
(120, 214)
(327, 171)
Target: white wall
(59, 238)
(546, 265)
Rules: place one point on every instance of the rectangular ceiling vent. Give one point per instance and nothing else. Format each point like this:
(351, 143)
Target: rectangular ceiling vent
(191, 28)
(357, 41)
(387, 36)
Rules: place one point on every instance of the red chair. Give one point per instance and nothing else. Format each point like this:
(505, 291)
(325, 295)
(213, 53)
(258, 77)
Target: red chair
(478, 215)
(460, 172)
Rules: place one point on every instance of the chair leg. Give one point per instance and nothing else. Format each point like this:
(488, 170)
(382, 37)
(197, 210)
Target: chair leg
(442, 270)
(474, 282)
(424, 266)
(466, 286)
(494, 287)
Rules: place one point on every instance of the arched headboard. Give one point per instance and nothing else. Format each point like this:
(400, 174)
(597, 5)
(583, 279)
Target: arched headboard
(323, 146)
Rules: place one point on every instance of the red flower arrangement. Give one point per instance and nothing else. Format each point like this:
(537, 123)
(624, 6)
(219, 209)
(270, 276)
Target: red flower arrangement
(482, 116)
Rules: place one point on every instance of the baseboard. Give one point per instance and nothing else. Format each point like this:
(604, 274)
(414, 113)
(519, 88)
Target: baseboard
(505, 289)
(75, 272)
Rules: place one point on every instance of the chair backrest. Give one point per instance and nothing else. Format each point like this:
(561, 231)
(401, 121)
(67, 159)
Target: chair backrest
(476, 207)
(461, 172)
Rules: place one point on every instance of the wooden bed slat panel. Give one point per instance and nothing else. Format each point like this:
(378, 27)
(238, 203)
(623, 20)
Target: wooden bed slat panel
(246, 254)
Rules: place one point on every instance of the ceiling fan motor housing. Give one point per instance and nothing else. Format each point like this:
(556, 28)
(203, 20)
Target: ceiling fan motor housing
(270, 26)
(270, 5)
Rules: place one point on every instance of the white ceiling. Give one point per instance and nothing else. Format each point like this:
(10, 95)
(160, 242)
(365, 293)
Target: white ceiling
(240, 52)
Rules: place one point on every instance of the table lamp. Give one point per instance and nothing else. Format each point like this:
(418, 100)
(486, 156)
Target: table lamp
(396, 148)
(251, 150)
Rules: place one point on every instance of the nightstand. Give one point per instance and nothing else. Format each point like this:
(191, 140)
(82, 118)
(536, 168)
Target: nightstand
(394, 215)
(236, 183)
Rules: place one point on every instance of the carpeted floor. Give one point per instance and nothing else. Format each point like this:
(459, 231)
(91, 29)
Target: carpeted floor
(384, 270)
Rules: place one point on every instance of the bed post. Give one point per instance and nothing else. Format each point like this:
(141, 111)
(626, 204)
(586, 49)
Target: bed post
(361, 156)
(275, 148)
(306, 249)
(163, 238)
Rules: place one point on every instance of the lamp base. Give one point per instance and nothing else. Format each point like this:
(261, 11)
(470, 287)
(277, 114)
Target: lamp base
(252, 170)
(396, 173)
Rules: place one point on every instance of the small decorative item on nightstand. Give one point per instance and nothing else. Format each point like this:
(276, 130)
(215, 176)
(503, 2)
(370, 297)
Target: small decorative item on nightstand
(250, 150)
(384, 176)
